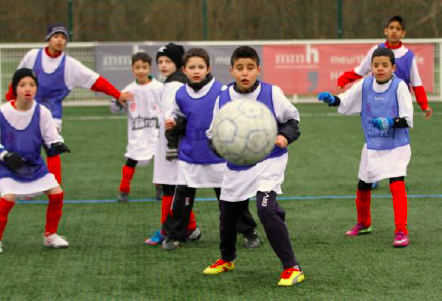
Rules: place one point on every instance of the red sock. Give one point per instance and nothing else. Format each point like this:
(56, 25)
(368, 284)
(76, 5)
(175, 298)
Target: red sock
(399, 195)
(54, 166)
(363, 199)
(128, 173)
(166, 207)
(5, 207)
(192, 222)
(53, 213)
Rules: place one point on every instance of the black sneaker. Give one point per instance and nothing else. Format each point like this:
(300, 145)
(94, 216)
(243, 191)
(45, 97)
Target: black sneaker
(252, 241)
(170, 244)
(194, 235)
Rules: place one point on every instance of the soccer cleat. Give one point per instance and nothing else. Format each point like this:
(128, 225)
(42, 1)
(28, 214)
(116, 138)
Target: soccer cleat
(55, 241)
(122, 197)
(1, 247)
(291, 276)
(252, 241)
(359, 229)
(156, 239)
(400, 240)
(170, 244)
(219, 267)
(374, 185)
(194, 235)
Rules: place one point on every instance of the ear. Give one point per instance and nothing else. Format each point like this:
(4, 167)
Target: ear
(209, 70)
(259, 70)
(393, 67)
(403, 34)
(231, 70)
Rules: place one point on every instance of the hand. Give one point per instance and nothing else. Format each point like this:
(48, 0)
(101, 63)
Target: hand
(14, 161)
(281, 141)
(382, 123)
(59, 148)
(326, 97)
(170, 124)
(125, 96)
(428, 112)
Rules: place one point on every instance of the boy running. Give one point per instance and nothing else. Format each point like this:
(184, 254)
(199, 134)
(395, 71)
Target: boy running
(25, 126)
(198, 166)
(384, 103)
(263, 179)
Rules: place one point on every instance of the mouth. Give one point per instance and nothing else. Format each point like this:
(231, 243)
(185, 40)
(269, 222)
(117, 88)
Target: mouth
(245, 82)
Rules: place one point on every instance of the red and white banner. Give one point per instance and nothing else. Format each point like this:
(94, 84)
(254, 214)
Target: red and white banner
(312, 68)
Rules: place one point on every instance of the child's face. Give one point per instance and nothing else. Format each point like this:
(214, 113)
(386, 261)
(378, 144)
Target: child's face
(166, 66)
(26, 89)
(382, 68)
(141, 70)
(394, 32)
(57, 42)
(196, 69)
(245, 72)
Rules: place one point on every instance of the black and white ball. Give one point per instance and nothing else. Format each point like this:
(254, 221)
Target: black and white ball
(244, 131)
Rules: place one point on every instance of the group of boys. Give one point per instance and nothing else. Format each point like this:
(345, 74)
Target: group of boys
(172, 123)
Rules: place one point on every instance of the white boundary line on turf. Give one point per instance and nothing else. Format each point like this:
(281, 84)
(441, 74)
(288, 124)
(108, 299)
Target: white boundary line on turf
(331, 114)
(282, 198)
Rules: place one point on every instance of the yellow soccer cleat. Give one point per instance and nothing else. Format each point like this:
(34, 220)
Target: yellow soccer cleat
(291, 276)
(219, 267)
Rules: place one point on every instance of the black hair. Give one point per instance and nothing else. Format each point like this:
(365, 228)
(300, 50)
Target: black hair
(383, 51)
(20, 74)
(398, 19)
(141, 56)
(196, 52)
(244, 52)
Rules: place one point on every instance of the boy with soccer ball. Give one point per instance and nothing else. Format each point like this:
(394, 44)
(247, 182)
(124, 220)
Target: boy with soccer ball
(263, 179)
(25, 126)
(384, 103)
(142, 122)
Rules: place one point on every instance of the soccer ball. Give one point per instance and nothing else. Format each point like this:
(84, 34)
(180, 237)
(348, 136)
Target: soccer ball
(244, 131)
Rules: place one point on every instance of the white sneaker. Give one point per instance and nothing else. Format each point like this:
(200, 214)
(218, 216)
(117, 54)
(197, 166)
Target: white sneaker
(1, 249)
(55, 241)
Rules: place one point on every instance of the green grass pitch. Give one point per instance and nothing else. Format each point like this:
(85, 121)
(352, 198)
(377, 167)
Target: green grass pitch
(107, 258)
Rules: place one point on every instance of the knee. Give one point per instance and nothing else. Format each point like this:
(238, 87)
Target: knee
(265, 204)
(364, 186)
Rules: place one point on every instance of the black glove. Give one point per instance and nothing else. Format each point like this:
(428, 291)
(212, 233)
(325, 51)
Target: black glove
(14, 161)
(171, 154)
(58, 148)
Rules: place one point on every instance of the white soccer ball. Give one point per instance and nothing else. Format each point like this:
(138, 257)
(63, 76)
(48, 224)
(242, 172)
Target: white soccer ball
(244, 131)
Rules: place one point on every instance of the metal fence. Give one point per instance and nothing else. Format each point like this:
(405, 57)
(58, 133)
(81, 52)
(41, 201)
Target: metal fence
(11, 54)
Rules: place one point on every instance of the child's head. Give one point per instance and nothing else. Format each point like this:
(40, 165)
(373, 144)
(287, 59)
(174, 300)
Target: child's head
(395, 29)
(244, 67)
(382, 64)
(24, 84)
(141, 66)
(57, 36)
(170, 58)
(196, 64)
